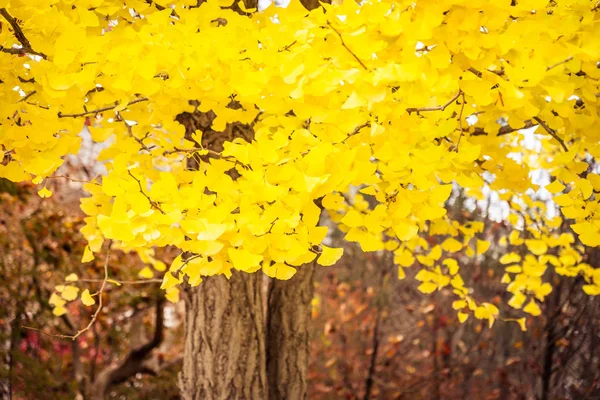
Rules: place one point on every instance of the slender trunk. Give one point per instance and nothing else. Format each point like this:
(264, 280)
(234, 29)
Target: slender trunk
(550, 347)
(289, 313)
(374, 352)
(224, 356)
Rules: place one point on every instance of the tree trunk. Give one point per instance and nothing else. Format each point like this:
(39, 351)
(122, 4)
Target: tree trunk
(226, 343)
(224, 356)
(289, 314)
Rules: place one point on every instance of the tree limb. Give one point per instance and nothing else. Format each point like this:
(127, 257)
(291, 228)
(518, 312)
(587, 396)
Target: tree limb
(552, 133)
(347, 48)
(20, 36)
(436, 108)
(134, 362)
(99, 110)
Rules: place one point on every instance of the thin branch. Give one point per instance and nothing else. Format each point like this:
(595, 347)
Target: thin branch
(288, 47)
(436, 108)
(72, 179)
(152, 202)
(135, 361)
(479, 74)
(504, 130)
(462, 107)
(566, 60)
(213, 153)
(96, 313)
(99, 110)
(356, 130)
(20, 36)
(552, 133)
(28, 96)
(347, 48)
(125, 282)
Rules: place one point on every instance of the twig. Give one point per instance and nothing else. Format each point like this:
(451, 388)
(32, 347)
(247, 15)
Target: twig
(436, 108)
(72, 179)
(28, 96)
(288, 47)
(566, 60)
(552, 133)
(20, 36)
(125, 282)
(479, 74)
(96, 313)
(504, 130)
(152, 202)
(357, 130)
(346, 47)
(462, 107)
(213, 153)
(99, 110)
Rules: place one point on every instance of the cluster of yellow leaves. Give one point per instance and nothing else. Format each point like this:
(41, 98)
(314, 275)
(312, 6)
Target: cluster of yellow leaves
(401, 99)
(541, 245)
(69, 292)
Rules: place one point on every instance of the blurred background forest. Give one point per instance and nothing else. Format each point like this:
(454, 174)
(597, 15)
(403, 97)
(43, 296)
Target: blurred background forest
(373, 336)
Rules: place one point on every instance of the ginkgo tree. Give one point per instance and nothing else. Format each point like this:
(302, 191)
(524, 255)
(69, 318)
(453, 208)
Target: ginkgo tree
(227, 132)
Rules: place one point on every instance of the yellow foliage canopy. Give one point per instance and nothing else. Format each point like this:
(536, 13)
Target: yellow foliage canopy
(403, 99)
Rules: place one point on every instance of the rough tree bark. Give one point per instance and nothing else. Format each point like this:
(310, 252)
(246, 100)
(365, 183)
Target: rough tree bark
(289, 313)
(228, 351)
(224, 355)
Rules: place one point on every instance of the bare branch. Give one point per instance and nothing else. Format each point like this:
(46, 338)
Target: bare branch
(124, 282)
(566, 60)
(346, 47)
(28, 96)
(479, 74)
(462, 107)
(153, 203)
(99, 110)
(96, 313)
(552, 133)
(504, 130)
(72, 179)
(20, 36)
(135, 361)
(436, 108)
(214, 154)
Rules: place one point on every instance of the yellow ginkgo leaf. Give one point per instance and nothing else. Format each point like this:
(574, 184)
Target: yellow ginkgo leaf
(146, 273)
(87, 299)
(555, 187)
(537, 247)
(329, 256)
(482, 246)
(169, 281)
(522, 323)
(243, 260)
(592, 290)
(71, 278)
(172, 294)
(88, 255)
(45, 192)
(401, 273)
(532, 308)
(70, 292)
(59, 310)
(279, 271)
(427, 287)
(451, 245)
(510, 258)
